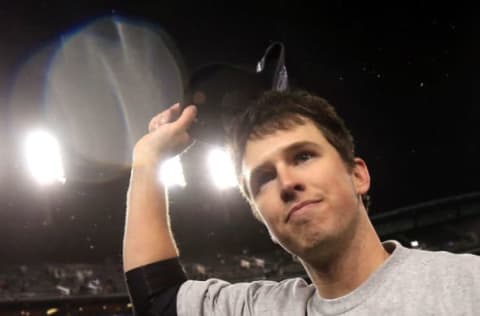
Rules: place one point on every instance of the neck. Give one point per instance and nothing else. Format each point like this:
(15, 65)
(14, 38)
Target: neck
(345, 270)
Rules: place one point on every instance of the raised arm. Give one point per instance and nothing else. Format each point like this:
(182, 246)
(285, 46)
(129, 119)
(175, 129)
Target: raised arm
(148, 237)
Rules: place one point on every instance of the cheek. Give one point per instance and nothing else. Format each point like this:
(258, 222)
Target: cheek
(269, 217)
(263, 208)
(345, 201)
(271, 211)
(338, 189)
(267, 201)
(334, 178)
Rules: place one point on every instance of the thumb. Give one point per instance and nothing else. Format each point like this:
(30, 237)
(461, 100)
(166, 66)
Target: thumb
(187, 117)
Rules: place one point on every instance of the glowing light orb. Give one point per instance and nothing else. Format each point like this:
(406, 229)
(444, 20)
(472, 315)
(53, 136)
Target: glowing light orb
(171, 173)
(221, 169)
(44, 158)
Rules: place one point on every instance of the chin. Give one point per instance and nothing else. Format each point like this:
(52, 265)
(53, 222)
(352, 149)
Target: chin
(313, 249)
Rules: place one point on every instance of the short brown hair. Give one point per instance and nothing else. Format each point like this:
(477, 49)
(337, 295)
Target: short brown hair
(275, 110)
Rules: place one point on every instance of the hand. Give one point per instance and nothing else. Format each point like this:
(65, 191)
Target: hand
(167, 136)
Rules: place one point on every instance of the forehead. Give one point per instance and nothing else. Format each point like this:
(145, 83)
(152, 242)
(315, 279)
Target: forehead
(262, 149)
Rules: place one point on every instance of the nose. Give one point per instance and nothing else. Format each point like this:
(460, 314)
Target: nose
(290, 185)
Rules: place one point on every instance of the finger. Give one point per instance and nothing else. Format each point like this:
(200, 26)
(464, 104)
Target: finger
(164, 117)
(175, 111)
(187, 117)
(171, 114)
(158, 120)
(151, 125)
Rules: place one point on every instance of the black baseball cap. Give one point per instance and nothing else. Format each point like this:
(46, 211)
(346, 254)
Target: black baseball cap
(221, 90)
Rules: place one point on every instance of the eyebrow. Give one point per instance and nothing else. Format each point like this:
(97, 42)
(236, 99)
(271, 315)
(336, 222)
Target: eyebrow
(288, 149)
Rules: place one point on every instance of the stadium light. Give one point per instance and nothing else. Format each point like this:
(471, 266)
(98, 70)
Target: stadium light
(43, 157)
(171, 173)
(221, 169)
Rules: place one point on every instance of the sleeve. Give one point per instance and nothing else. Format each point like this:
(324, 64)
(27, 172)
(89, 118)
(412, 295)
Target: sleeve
(215, 297)
(153, 288)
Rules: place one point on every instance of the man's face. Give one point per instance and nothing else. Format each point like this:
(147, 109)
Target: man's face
(308, 198)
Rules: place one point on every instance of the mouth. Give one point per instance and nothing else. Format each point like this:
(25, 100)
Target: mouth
(299, 207)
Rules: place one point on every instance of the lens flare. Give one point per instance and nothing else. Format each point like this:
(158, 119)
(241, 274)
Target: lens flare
(44, 158)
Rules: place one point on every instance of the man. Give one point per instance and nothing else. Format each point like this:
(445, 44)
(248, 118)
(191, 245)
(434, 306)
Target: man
(296, 166)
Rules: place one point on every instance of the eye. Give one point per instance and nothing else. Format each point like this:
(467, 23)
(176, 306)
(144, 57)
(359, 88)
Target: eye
(261, 179)
(303, 156)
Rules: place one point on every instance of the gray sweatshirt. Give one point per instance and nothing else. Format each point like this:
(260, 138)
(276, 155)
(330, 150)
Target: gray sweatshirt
(409, 282)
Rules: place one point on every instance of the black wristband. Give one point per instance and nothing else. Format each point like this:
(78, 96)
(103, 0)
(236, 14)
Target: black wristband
(149, 280)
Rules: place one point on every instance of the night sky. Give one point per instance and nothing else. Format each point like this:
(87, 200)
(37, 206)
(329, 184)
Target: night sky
(402, 76)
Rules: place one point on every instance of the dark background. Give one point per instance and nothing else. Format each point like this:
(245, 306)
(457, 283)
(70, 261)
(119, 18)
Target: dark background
(402, 76)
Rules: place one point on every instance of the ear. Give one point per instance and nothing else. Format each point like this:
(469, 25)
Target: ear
(361, 177)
